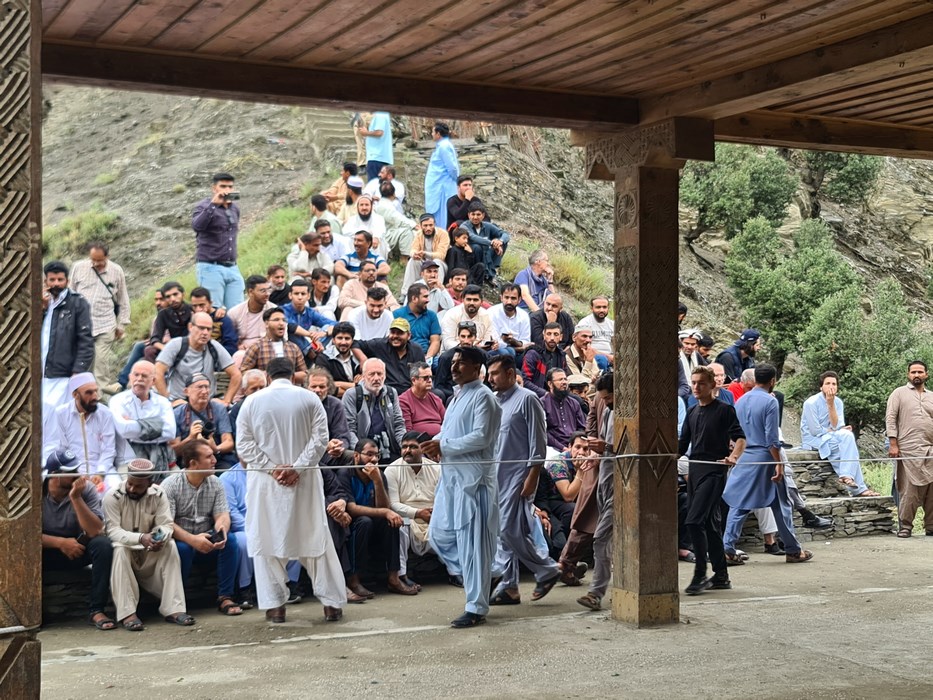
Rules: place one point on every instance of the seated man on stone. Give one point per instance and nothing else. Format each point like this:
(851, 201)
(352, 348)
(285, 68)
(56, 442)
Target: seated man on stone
(375, 528)
(201, 520)
(279, 289)
(275, 343)
(488, 240)
(72, 530)
(85, 427)
(544, 357)
(203, 418)
(552, 312)
(563, 412)
(324, 293)
(422, 409)
(144, 419)
(823, 428)
(338, 432)
(139, 523)
(353, 294)
(411, 481)
(306, 256)
(224, 331)
(298, 313)
(195, 353)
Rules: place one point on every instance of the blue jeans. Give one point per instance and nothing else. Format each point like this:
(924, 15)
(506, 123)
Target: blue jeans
(224, 283)
(373, 167)
(227, 560)
(136, 354)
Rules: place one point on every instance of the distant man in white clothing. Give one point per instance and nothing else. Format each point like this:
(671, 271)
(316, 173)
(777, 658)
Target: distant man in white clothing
(603, 328)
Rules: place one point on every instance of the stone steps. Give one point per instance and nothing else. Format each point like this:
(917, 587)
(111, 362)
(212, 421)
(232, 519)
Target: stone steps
(852, 517)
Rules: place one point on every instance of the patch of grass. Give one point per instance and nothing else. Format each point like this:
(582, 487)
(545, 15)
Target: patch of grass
(515, 260)
(179, 188)
(69, 236)
(583, 279)
(105, 179)
(878, 478)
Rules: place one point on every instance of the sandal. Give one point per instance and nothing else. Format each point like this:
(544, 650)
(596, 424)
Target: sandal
(183, 619)
(802, 556)
(227, 606)
(867, 493)
(402, 589)
(408, 582)
(503, 598)
(688, 557)
(591, 601)
(104, 623)
(355, 598)
(847, 481)
(133, 624)
(544, 587)
(363, 592)
(904, 532)
(734, 559)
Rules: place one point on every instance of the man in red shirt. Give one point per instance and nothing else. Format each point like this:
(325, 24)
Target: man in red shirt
(422, 410)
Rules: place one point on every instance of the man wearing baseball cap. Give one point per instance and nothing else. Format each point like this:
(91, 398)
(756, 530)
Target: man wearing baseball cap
(741, 354)
(73, 530)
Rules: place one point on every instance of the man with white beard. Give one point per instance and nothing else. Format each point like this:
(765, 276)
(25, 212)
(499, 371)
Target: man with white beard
(282, 429)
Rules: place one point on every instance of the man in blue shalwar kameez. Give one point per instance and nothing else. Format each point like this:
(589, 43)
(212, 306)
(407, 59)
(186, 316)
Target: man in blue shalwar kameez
(520, 452)
(440, 177)
(757, 480)
(465, 521)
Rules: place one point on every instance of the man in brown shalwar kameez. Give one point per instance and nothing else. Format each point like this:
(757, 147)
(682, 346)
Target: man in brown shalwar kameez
(909, 426)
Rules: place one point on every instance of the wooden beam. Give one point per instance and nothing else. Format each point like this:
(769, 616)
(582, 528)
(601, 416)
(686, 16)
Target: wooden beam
(279, 83)
(826, 134)
(887, 52)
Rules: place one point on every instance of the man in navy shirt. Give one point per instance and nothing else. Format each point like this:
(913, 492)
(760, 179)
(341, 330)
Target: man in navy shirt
(216, 223)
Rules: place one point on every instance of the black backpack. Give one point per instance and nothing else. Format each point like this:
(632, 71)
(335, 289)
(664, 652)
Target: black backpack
(183, 350)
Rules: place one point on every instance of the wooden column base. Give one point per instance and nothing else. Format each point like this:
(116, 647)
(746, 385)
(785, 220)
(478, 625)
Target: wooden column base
(645, 610)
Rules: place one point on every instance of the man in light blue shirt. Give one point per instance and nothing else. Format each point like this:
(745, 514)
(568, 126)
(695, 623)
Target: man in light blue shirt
(378, 143)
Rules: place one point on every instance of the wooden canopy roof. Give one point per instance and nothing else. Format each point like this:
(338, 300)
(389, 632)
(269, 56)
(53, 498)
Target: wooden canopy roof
(853, 75)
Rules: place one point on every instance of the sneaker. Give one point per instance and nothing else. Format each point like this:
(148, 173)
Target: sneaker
(777, 549)
(293, 595)
(720, 583)
(698, 585)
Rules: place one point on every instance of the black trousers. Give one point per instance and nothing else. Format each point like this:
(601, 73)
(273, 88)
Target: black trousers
(99, 554)
(704, 519)
(374, 545)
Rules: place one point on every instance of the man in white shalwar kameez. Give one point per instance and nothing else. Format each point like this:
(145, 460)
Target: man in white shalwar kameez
(520, 451)
(465, 521)
(280, 430)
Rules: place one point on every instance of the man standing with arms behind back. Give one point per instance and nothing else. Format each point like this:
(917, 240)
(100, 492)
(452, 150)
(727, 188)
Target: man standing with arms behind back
(216, 223)
(465, 520)
(282, 431)
(909, 425)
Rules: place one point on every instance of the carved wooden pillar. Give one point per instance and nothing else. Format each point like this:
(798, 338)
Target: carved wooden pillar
(20, 318)
(644, 164)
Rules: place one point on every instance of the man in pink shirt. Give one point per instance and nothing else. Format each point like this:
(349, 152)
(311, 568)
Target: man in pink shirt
(422, 410)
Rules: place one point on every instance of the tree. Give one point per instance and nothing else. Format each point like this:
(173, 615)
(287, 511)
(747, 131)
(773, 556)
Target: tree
(744, 182)
(846, 178)
(780, 291)
(869, 352)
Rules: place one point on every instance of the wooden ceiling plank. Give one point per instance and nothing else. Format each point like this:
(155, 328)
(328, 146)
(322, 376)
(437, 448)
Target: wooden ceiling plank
(896, 114)
(824, 23)
(274, 16)
(573, 34)
(142, 23)
(121, 68)
(891, 51)
(205, 21)
(78, 19)
(925, 121)
(696, 29)
(307, 44)
(434, 45)
(51, 10)
(382, 52)
(865, 92)
(885, 107)
(827, 134)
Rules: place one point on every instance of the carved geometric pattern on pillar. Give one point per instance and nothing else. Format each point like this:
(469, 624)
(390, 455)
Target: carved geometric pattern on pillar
(630, 146)
(626, 300)
(627, 464)
(15, 239)
(659, 465)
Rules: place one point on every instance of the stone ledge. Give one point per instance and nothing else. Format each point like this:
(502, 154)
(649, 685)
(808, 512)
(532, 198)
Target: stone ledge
(853, 517)
(815, 478)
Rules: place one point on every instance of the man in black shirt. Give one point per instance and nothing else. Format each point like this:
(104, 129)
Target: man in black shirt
(172, 319)
(397, 351)
(708, 429)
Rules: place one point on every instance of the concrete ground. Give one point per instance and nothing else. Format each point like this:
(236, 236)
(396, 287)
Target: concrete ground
(853, 623)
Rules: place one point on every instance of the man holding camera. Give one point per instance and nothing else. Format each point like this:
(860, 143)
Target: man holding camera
(201, 520)
(205, 419)
(216, 223)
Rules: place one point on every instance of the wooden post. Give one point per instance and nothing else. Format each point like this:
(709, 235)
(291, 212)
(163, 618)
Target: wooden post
(20, 319)
(644, 164)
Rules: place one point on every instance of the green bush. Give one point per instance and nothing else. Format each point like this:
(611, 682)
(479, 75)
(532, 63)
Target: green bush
(847, 178)
(742, 183)
(68, 237)
(870, 352)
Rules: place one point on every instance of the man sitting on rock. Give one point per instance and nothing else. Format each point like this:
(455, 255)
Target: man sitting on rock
(72, 530)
